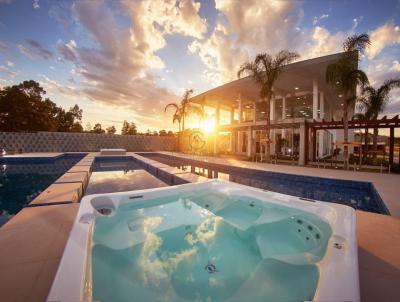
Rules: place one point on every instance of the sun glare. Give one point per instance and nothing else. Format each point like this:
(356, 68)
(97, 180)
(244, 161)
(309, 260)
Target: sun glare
(208, 125)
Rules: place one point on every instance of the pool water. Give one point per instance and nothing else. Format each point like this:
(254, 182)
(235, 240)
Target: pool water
(357, 194)
(21, 182)
(209, 247)
(118, 175)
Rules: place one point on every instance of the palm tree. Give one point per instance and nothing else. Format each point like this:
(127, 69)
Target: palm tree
(373, 101)
(265, 70)
(345, 76)
(184, 109)
(363, 116)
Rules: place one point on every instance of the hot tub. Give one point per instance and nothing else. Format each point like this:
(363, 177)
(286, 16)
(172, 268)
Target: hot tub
(211, 241)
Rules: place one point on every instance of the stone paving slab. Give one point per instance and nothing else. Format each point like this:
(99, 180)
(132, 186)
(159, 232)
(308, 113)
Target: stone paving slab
(59, 193)
(85, 163)
(35, 239)
(378, 256)
(81, 177)
(77, 169)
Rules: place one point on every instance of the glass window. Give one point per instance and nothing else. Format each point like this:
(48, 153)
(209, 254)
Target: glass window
(278, 109)
(260, 111)
(299, 106)
(247, 113)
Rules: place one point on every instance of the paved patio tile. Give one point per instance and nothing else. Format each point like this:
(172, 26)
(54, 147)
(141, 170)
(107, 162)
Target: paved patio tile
(78, 169)
(60, 193)
(35, 239)
(81, 177)
(378, 256)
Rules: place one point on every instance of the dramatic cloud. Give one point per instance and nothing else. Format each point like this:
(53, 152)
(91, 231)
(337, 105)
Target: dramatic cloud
(220, 54)
(117, 71)
(67, 50)
(320, 41)
(61, 12)
(244, 29)
(8, 70)
(3, 46)
(33, 49)
(385, 35)
(317, 19)
(35, 4)
(254, 23)
(54, 87)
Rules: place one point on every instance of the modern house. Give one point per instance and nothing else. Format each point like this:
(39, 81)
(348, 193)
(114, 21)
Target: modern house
(301, 95)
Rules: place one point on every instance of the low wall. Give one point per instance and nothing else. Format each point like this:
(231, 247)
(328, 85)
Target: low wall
(75, 142)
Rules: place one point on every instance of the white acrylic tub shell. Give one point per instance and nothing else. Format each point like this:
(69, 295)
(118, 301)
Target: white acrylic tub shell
(338, 280)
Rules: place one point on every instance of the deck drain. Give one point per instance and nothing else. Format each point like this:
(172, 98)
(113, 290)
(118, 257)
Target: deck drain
(210, 268)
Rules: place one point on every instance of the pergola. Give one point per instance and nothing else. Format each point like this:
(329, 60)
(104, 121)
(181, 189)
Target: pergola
(382, 123)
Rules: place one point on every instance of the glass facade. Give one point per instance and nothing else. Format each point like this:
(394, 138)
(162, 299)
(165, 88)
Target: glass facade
(299, 106)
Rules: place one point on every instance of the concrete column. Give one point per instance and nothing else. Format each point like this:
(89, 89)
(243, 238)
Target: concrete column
(321, 133)
(254, 112)
(217, 115)
(240, 109)
(283, 108)
(232, 115)
(216, 131)
(321, 105)
(272, 109)
(215, 142)
(249, 142)
(302, 145)
(273, 138)
(315, 100)
(233, 141)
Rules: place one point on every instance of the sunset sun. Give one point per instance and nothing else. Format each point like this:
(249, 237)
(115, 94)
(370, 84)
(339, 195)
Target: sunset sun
(208, 125)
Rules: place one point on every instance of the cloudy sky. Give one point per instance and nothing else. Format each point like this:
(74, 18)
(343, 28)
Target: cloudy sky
(126, 59)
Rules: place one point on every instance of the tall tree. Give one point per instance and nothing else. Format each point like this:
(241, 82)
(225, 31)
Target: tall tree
(111, 130)
(129, 128)
(77, 127)
(345, 76)
(265, 70)
(24, 108)
(162, 133)
(97, 129)
(373, 101)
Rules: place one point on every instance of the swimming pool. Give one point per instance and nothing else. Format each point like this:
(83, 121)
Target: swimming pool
(357, 194)
(118, 174)
(211, 241)
(22, 179)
